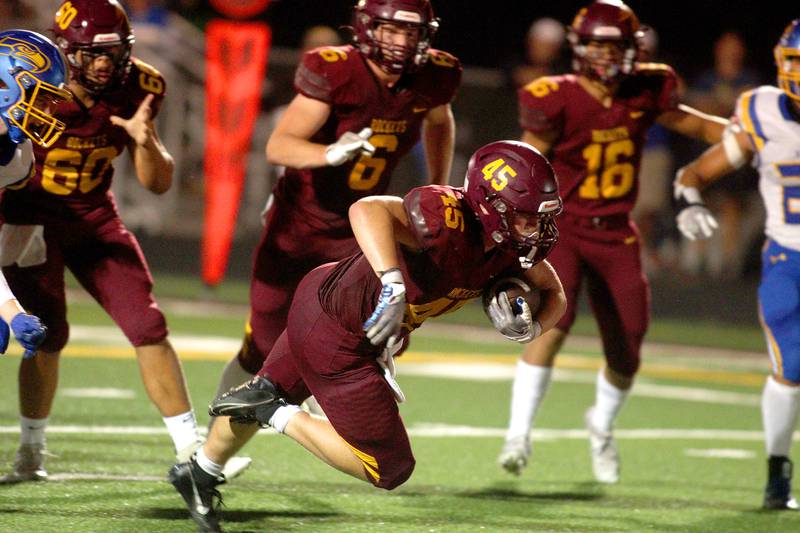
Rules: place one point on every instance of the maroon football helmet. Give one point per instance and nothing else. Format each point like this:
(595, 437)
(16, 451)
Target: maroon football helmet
(605, 21)
(94, 28)
(394, 59)
(513, 190)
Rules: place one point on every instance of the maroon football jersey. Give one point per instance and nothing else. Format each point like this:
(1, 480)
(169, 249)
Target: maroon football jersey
(451, 269)
(341, 77)
(73, 176)
(598, 151)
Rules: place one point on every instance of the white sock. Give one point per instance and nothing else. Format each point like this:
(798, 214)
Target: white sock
(608, 401)
(779, 408)
(530, 385)
(182, 428)
(232, 375)
(280, 419)
(32, 430)
(207, 464)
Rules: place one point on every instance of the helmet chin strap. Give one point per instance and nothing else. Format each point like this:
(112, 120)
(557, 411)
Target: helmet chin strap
(526, 261)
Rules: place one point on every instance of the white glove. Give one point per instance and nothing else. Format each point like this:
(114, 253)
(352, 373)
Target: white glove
(695, 221)
(348, 146)
(517, 327)
(385, 323)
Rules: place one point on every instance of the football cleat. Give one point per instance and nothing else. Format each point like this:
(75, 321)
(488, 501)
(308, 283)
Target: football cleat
(252, 402)
(605, 458)
(777, 494)
(28, 464)
(198, 489)
(514, 456)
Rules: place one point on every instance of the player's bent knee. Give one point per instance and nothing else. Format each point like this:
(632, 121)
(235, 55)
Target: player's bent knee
(56, 339)
(151, 329)
(250, 357)
(396, 475)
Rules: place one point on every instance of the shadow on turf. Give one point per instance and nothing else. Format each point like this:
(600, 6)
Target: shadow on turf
(231, 516)
(583, 492)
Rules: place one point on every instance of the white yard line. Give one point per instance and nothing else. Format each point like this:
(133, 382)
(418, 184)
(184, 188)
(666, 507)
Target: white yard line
(447, 431)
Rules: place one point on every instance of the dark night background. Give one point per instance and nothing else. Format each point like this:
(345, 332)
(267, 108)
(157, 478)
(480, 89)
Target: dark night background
(487, 33)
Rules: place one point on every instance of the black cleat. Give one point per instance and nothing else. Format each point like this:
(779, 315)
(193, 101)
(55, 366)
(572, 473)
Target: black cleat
(778, 492)
(250, 403)
(198, 489)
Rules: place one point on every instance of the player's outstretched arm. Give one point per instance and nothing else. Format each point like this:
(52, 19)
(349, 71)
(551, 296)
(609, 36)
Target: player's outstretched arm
(693, 123)
(553, 300)
(694, 220)
(154, 164)
(439, 137)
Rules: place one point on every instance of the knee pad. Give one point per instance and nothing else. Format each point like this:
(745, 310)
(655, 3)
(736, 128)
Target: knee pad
(151, 328)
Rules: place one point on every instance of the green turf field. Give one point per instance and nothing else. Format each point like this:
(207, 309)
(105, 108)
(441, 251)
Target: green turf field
(689, 439)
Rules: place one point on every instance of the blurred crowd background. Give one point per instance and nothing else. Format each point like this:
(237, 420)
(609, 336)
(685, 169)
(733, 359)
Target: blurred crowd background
(718, 49)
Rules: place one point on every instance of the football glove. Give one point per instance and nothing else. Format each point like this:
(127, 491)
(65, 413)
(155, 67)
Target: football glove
(519, 327)
(695, 221)
(386, 362)
(385, 322)
(348, 146)
(29, 332)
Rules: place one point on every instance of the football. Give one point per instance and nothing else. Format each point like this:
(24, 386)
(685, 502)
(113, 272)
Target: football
(512, 288)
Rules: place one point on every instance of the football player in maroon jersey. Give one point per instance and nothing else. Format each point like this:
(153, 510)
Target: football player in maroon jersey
(592, 124)
(116, 99)
(359, 109)
(424, 255)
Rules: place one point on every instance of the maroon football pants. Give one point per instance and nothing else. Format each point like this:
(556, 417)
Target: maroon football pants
(288, 251)
(608, 256)
(107, 261)
(316, 355)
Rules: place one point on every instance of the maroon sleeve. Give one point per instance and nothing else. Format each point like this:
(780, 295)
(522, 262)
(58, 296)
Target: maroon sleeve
(541, 105)
(445, 76)
(324, 71)
(662, 81)
(145, 79)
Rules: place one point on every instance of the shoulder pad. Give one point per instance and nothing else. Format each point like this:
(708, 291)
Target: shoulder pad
(145, 79)
(425, 207)
(324, 69)
(442, 59)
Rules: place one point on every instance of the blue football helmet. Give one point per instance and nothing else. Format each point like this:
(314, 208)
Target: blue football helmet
(33, 76)
(786, 52)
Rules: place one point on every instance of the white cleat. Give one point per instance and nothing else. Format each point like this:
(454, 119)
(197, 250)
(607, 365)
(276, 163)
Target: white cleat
(235, 466)
(28, 464)
(605, 458)
(515, 453)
